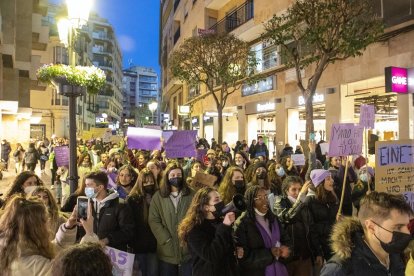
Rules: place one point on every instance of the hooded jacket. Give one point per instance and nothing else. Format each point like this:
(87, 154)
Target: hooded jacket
(354, 257)
(31, 156)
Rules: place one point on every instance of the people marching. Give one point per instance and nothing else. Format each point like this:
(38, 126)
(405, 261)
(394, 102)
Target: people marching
(228, 209)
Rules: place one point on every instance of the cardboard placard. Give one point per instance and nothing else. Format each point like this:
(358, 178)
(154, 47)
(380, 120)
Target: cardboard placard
(324, 148)
(123, 262)
(346, 139)
(394, 166)
(204, 179)
(367, 116)
(62, 156)
(298, 159)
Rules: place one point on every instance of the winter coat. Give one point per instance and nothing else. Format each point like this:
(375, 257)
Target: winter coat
(164, 219)
(324, 217)
(43, 153)
(144, 240)
(261, 150)
(5, 151)
(113, 221)
(31, 156)
(18, 155)
(354, 257)
(256, 256)
(296, 219)
(287, 151)
(359, 190)
(338, 177)
(211, 247)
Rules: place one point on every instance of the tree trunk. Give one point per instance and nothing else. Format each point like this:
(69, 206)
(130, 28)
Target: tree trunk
(220, 124)
(308, 95)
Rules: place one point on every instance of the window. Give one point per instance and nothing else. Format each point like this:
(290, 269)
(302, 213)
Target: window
(267, 55)
(60, 55)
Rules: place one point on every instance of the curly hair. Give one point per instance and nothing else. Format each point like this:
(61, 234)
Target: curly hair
(132, 172)
(195, 213)
(227, 189)
(24, 224)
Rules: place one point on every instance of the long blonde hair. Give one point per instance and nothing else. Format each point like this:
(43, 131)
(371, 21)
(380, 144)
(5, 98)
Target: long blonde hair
(227, 189)
(23, 225)
(52, 208)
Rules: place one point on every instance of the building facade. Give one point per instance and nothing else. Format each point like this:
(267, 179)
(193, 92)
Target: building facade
(23, 40)
(140, 85)
(273, 107)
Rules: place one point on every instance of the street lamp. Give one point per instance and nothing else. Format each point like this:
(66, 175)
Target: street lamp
(152, 107)
(78, 14)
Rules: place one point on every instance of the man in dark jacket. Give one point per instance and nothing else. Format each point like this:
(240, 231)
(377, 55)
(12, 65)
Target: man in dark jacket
(113, 222)
(373, 243)
(260, 149)
(5, 152)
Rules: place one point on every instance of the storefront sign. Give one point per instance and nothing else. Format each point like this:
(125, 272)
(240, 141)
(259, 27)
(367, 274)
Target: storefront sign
(183, 109)
(394, 166)
(399, 80)
(345, 139)
(215, 114)
(269, 106)
(317, 98)
(263, 85)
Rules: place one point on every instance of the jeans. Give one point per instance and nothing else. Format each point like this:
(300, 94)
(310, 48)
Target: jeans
(31, 167)
(184, 269)
(148, 264)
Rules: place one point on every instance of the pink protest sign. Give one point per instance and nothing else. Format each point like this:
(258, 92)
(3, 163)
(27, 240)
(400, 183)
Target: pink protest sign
(346, 139)
(367, 116)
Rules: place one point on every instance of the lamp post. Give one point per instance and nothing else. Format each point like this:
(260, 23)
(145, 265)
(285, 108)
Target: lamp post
(78, 14)
(152, 107)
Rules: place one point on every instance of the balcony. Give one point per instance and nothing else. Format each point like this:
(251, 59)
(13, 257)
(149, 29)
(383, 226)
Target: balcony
(216, 4)
(177, 35)
(101, 36)
(235, 19)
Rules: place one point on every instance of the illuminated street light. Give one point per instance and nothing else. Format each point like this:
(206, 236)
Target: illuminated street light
(152, 107)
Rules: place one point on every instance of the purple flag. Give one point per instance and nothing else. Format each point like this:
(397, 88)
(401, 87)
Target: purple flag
(367, 116)
(346, 139)
(144, 138)
(180, 143)
(200, 154)
(62, 156)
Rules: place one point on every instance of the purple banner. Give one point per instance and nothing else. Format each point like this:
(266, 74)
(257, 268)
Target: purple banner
(346, 139)
(62, 156)
(367, 116)
(144, 138)
(200, 154)
(180, 143)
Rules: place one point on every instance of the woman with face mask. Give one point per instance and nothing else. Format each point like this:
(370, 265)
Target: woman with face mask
(23, 184)
(144, 243)
(265, 244)
(168, 207)
(276, 176)
(233, 183)
(207, 236)
(360, 189)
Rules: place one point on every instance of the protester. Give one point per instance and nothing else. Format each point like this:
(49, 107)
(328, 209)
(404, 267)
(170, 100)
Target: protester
(154, 165)
(241, 160)
(31, 157)
(43, 156)
(115, 226)
(252, 149)
(144, 243)
(84, 165)
(261, 236)
(207, 236)
(5, 152)
(18, 155)
(289, 166)
(276, 174)
(260, 149)
(23, 184)
(82, 260)
(125, 180)
(233, 183)
(360, 189)
(323, 208)
(293, 213)
(372, 243)
(168, 207)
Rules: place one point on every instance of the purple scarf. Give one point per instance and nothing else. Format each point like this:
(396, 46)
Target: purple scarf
(276, 268)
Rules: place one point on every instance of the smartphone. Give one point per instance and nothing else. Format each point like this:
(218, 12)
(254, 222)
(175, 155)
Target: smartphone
(82, 207)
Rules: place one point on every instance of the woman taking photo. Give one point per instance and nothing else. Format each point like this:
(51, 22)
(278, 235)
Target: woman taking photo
(144, 244)
(168, 207)
(261, 236)
(208, 238)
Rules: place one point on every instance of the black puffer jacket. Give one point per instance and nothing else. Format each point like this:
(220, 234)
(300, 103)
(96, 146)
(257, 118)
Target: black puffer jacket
(212, 250)
(296, 219)
(353, 256)
(31, 156)
(324, 217)
(338, 177)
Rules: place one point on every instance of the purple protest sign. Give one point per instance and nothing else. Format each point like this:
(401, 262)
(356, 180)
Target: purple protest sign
(144, 138)
(180, 143)
(62, 156)
(346, 139)
(367, 116)
(200, 154)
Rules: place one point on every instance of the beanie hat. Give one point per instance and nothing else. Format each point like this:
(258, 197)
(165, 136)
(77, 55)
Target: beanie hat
(318, 176)
(211, 151)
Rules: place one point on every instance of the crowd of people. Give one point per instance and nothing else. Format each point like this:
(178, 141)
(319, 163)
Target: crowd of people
(291, 222)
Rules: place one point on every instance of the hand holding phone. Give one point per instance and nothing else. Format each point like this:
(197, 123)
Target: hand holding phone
(88, 222)
(82, 204)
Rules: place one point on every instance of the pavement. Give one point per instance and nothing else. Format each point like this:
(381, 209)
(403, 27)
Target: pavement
(9, 176)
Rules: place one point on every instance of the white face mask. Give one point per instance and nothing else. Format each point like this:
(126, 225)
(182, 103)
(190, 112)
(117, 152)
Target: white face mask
(280, 172)
(239, 163)
(29, 189)
(90, 192)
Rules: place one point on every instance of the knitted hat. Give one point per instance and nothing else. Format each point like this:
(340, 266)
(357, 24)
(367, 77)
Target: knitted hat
(318, 176)
(359, 162)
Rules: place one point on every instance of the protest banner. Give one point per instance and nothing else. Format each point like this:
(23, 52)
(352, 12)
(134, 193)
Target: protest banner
(346, 139)
(394, 166)
(86, 135)
(62, 156)
(203, 179)
(298, 159)
(98, 132)
(143, 138)
(367, 116)
(180, 143)
(122, 261)
(324, 148)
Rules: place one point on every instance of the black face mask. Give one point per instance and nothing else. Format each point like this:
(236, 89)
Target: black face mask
(239, 185)
(176, 182)
(149, 189)
(261, 175)
(398, 243)
(219, 208)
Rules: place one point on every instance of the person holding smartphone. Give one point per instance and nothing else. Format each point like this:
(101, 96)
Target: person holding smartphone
(207, 236)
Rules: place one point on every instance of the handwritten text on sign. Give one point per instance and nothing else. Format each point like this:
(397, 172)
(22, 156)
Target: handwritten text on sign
(123, 262)
(346, 139)
(367, 116)
(394, 166)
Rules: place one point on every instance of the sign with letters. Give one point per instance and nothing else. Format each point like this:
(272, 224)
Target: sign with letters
(399, 80)
(345, 139)
(394, 166)
(367, 116)
(123, 262)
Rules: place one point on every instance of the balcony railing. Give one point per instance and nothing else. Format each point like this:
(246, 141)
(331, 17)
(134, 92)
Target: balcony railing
(177, 35)
(235, 19)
